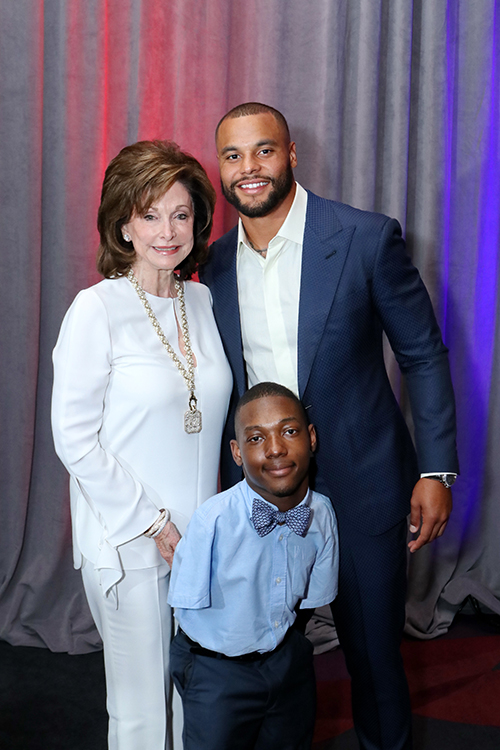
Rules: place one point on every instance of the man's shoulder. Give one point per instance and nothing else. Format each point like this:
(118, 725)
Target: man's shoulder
(227, 240)
(220, 256)
(321, 210)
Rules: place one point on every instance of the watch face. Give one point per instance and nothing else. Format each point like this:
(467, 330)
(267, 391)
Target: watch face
(449, 479)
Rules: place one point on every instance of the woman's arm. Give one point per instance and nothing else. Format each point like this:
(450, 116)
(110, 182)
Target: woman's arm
(82, 369)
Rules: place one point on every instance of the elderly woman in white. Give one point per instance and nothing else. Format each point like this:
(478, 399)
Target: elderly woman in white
(141, 390)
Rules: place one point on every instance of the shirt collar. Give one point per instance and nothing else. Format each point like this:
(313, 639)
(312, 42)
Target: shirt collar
(293, 227)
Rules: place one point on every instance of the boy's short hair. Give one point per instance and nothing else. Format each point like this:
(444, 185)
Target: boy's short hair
(265, 389)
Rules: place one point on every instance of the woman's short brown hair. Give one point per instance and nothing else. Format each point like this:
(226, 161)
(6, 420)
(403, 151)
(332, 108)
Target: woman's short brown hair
(136, 178)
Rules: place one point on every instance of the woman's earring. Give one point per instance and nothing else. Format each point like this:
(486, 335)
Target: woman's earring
(126, 237)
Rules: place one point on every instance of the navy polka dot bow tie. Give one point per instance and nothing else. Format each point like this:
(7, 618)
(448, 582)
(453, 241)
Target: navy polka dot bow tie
(265, 519)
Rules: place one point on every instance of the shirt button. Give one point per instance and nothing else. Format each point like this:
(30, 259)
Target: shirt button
(280, 538)
(276, 624)
(278, 580)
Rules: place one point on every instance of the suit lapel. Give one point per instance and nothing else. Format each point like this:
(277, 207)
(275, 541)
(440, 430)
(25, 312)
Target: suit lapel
(226, 307)
(325, 248)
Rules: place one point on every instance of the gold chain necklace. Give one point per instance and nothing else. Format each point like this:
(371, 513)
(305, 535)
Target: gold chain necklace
(192, 417)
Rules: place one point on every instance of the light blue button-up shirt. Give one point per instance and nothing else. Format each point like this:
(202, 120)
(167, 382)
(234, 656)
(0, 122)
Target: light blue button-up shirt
(234, 591)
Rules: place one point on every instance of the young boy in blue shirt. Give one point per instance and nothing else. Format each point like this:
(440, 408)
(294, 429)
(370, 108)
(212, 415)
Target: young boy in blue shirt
(249, 557)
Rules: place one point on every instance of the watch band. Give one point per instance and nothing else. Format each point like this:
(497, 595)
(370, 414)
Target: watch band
(446, 479)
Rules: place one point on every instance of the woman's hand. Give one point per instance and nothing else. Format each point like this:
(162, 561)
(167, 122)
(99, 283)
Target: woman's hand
(167, 541)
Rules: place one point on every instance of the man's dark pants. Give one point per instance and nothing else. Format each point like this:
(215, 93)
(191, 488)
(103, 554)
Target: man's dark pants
(369, 616)
(266, 704)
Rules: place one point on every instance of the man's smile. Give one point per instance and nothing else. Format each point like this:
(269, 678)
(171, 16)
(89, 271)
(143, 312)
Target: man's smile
(252, 187)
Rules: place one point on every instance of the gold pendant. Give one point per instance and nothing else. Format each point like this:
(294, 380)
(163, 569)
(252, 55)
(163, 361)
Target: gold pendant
(192, 417)
(192, 421)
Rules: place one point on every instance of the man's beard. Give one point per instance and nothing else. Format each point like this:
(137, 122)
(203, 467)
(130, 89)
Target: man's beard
(281, 187)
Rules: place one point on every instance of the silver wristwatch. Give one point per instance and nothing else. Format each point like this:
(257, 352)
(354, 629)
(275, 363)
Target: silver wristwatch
(446, 479)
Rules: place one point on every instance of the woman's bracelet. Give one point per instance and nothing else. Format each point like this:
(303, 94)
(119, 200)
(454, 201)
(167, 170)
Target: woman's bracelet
(158, 525)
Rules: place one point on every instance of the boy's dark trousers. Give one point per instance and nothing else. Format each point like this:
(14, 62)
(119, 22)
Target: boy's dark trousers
(263, 703)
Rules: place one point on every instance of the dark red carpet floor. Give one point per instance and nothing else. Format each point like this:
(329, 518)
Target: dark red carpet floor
(454, 684)
(57, 702)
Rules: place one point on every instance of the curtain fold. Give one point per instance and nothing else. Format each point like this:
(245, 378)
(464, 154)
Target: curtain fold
(394, 105)
(459, 255)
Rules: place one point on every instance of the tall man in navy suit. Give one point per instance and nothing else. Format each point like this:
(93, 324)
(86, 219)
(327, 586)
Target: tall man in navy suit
(303, 288)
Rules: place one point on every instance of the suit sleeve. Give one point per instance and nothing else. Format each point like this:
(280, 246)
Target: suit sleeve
(408, 319)
(82, 371)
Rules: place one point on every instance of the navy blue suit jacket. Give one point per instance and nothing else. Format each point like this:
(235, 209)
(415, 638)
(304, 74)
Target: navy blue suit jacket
(357, 281)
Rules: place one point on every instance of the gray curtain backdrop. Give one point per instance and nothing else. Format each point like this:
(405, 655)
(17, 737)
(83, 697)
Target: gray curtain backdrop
(394, 105)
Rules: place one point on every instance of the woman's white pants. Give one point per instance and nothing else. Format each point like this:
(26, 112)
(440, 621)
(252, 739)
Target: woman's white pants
(136, 636)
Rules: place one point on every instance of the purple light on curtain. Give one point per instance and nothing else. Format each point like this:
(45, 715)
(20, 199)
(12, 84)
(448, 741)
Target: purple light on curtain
(450, 166)
(488, 265)
(488, 268)
(474, 200)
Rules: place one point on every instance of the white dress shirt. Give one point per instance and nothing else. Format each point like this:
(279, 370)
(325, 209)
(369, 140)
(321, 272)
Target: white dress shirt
(269, 291)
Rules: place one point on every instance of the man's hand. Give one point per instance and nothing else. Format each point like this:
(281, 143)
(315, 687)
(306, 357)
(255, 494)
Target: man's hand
(167, 541)
(431, 504)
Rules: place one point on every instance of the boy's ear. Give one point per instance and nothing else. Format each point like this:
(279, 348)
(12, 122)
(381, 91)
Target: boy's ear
(312, 437)
(236, 453)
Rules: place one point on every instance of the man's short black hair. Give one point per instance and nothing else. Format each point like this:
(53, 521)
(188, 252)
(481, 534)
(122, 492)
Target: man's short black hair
(255, 108)
(265, 389)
